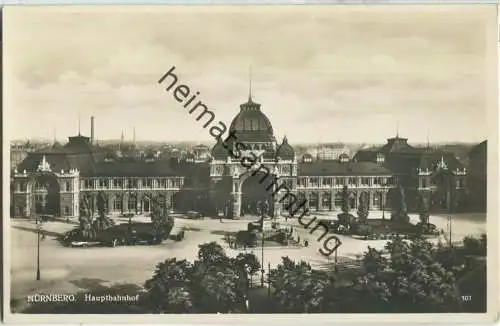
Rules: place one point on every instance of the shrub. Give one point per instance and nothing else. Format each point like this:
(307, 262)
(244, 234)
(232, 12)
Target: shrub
(364, 230)
(475, 246)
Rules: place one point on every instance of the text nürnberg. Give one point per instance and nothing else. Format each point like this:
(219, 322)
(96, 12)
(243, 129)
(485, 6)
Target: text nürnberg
(183, 94)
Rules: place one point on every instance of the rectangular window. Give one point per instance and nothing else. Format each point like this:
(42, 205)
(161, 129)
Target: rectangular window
(101, 183)
(149, 183)
(117, 204)
(352, 181)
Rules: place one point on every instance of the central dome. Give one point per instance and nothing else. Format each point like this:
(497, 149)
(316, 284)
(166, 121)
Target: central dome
(251, 124)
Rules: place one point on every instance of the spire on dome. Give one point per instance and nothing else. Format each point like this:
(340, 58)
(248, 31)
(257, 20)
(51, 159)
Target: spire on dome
(285, 140)
(250, 84)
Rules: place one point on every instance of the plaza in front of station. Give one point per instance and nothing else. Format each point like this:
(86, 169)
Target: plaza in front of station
(73, 269)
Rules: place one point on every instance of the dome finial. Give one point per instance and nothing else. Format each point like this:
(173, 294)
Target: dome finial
(250, 84)
(285, 140)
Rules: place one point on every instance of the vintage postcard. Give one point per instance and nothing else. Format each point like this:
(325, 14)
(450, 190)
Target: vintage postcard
(250, 164)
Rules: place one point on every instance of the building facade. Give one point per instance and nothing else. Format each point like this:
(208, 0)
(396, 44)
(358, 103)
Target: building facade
(246, 169)
(438, 175)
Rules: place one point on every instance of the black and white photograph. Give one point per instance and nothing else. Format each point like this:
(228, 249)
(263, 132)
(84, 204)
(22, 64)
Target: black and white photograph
(280, 162)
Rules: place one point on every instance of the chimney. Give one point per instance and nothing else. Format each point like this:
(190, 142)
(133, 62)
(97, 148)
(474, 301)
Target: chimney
(92, 130)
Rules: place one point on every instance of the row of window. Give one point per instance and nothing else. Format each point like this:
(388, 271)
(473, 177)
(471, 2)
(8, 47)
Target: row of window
(313, 200)
(134, 183)
(344, 181)
(425, 183)
(42, 187)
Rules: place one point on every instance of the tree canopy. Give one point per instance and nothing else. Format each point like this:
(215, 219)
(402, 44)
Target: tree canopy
(213, 283)
(300, 289)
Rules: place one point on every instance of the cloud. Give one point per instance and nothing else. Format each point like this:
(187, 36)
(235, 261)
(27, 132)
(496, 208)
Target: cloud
(317, 72)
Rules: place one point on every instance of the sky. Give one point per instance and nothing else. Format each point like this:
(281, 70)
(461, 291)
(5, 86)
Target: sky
(321, 73)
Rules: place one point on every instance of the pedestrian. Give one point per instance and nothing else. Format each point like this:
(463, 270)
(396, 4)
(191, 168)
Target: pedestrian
(298, 239)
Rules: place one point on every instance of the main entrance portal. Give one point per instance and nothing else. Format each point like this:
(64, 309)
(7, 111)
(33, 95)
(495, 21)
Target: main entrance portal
(255, 196)
(46, 195)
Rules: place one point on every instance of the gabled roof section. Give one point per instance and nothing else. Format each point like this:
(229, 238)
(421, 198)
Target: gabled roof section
(399, 145)
(434, 160)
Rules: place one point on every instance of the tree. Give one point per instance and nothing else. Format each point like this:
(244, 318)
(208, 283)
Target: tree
(162, 221)
(400, 212)
(169, 290)
(102, 221)
(86, 219)
(221, 289)
(247, 260)
(363, 207)
(373, 261)
(423, 208)
(300, 289)
(411, 281)
(212, 254)
(345, 218)
(214, 283)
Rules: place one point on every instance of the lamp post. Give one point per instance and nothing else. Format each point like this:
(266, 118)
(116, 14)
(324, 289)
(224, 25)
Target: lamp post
(38, 228)
(261, 209)
(249, 280)
(38, 249)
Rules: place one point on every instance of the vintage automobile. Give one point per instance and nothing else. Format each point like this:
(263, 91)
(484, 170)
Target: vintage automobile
(194, 215)
(133, 234)
(121, 234)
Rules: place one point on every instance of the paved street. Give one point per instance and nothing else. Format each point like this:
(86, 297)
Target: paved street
(62, 268)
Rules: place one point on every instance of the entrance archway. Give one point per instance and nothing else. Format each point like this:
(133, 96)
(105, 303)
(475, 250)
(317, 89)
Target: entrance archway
(46, 194)
(254, 193)
(146, 204)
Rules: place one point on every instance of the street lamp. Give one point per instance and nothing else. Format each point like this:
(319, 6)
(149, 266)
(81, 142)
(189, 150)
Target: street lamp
(248, 269)
(38, 228)
(261, 208)
(38, 250)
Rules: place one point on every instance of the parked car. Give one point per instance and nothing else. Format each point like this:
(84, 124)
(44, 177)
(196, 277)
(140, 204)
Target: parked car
(75, 238)
(132, 234)
(194, 215)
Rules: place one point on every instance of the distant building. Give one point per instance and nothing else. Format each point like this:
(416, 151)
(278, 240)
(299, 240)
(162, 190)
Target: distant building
(329, 152)
(477, 177)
